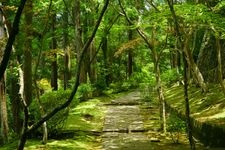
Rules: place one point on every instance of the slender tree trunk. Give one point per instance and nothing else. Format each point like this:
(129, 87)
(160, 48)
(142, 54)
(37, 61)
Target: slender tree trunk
(220, 71)
(130, 55)
(23, 137)
(27, 53)
(105, 59)
(195, 70)
(181, 44)
(4, 117)
(78, 40)
(66, 49)
(187, 108)
(16, 106)
(12, 36)
(93, 61)
(26, 77)
(54, 74)
(162, 107)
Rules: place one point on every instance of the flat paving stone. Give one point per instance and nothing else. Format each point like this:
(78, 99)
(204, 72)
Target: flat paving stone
(123, 125)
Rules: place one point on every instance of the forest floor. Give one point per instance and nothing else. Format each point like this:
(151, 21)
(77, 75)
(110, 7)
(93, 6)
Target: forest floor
(117, 122)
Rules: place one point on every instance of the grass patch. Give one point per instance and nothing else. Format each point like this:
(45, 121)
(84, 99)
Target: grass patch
(209, 107)
(87, 116)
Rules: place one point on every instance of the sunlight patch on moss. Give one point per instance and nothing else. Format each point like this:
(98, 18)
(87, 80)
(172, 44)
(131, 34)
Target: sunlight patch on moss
(68, 144)
(216, 116)
(204, 107)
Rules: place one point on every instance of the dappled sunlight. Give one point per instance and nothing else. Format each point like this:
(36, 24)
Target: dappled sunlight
(68, 144)
(216, 116)
(207, 111)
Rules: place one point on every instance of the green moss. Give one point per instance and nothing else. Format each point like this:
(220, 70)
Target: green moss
(81, 143)
(86, 116)
(209, 107)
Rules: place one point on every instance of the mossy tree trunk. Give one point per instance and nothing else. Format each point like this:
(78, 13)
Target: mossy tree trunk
(3, 103)
(220, 71)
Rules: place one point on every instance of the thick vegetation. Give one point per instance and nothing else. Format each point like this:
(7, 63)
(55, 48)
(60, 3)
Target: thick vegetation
(56, 54)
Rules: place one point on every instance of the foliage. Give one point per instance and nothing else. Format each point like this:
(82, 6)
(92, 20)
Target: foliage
(170, 77)
(175, 127)
(44, 85)
(85, 91)
(49, 101)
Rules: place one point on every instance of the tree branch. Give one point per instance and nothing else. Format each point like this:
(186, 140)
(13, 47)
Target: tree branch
(140, 32)
(12, 37)
(84, 50)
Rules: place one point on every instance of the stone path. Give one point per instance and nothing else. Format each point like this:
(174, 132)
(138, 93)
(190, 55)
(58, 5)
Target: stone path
(123, 126)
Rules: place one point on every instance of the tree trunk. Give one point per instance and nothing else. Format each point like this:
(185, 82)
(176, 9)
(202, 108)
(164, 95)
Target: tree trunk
(66, 49)
(70, 99)
(130, 56)
(93, 61)
(187, 108)
(195, 70)
(15, 100)
(105, 59)
(54, 73)
(4, 117)
(162, 106)
(27, 53)
(182, 44)
(12, 36)
(3, 102)
(78, 40)
(16, 106)
(220, 71)
(26, 77)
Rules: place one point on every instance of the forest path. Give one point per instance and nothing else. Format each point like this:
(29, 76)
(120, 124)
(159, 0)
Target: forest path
(123, 126)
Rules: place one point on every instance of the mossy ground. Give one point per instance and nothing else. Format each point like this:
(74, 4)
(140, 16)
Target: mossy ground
(89, 116)
(209, 107)
(86, 116)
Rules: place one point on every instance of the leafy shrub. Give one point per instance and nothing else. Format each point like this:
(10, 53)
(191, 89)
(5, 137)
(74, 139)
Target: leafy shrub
(99, 86)
(49, 101)
(85, 91)
(175, 127)
(147, 91)
(44, 85)
(170, 76)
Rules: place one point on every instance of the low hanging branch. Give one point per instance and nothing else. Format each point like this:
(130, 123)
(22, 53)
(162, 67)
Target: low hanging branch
(12, 37)
(84, 49)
